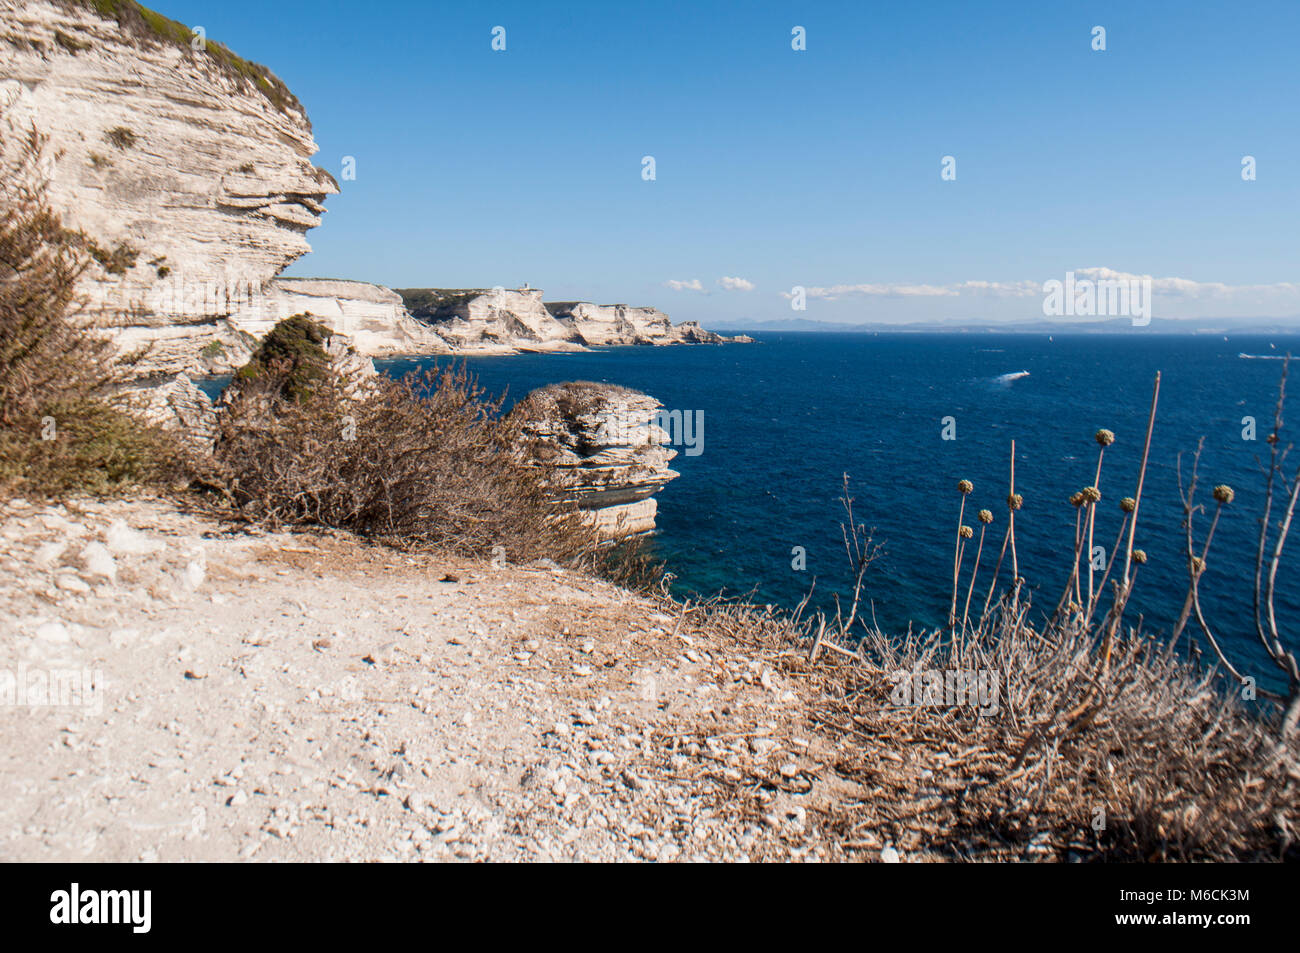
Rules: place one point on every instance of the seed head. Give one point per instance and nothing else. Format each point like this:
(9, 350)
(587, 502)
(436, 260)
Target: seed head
(985, 517)
(966, 532)
(1198, 565)
(1091, 494)
(965, 486)
(1014, 501)
(1139, 556)
(1076, 499)
(1128, 504)
(1104, 437)
(1224, 493)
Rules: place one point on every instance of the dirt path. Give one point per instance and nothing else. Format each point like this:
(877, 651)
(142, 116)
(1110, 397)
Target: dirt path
(307, 697)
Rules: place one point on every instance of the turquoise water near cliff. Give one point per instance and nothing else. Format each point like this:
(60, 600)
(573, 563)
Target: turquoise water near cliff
(786, 416)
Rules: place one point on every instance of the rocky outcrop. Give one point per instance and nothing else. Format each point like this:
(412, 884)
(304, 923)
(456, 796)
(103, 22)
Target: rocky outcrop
(501, 321)
(604, 449)
(179, 406)
(491, 321)
(188, 170)
(609, 324)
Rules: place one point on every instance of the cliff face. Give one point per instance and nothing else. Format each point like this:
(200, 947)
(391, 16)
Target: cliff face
(506, 321)
(372, 316)
(189, 171)
(605, 324)
(486, 321)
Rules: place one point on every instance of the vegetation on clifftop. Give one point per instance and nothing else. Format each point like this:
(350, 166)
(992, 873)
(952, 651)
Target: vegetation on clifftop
(153, 27)
(427, 302)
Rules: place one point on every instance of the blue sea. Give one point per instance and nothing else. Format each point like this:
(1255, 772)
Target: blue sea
(785, 417)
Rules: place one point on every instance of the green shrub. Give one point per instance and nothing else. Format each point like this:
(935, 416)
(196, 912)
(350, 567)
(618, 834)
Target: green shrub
(291, 361)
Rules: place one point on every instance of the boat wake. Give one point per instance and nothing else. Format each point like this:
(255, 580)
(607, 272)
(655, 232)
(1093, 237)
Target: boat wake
(1006, 380)
(1262, 357)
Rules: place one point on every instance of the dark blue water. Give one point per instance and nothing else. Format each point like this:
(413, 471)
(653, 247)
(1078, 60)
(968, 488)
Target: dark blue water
(785, 417)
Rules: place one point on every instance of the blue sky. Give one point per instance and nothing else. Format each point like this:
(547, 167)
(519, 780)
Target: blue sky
(818, 168)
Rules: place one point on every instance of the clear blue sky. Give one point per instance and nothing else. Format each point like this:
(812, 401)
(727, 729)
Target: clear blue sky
(818, 168)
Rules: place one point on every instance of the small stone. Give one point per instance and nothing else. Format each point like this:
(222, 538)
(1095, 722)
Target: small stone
(48, 554)
(122, 539)
(888, 855)
(195, 573)
(236, 799)
(70, 582)
(53, 632)
(99, 561)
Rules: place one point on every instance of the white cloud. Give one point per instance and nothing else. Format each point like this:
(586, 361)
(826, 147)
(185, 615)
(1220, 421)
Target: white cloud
(1027, 288)
(692, 285)
(1187, 287)
(736, 284)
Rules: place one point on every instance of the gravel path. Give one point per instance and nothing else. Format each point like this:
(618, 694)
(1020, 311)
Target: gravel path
(308, 697)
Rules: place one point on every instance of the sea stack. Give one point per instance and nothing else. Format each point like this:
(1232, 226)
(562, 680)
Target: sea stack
(606, 450)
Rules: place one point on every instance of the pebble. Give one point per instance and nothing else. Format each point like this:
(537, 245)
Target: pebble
(48, 554)
(70, 582)
(888, 855)
(195, 573)
(53, 632)
(122, 540)
(99, 561)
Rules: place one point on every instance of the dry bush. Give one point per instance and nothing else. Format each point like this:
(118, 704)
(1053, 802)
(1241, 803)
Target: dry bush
(60, 430)
(425, 462)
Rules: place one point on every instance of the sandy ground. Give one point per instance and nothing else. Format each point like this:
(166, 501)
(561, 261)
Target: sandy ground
(308, 697)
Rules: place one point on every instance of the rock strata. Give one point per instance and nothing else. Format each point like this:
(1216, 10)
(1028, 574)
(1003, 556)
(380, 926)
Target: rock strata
(607, 449)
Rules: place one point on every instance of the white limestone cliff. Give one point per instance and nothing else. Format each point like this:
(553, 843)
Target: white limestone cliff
(191, 180)
(606, 324)
(506, 321)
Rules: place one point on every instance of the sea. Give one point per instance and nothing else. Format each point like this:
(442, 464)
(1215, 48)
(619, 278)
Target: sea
(757, 510)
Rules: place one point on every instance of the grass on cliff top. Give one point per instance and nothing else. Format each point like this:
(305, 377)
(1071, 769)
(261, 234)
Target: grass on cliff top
(150, 26)
(430, 300)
